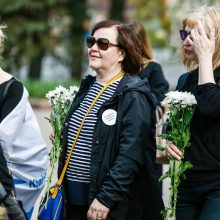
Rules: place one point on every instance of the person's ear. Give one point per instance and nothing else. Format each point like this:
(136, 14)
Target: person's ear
(122, 55)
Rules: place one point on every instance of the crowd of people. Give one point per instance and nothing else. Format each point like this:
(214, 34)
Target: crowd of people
(112, 172)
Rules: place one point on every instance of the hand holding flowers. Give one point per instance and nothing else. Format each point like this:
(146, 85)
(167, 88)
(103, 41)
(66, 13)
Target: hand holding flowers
(180, 107)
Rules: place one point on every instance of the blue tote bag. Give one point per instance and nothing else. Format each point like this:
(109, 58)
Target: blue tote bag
(51, 207)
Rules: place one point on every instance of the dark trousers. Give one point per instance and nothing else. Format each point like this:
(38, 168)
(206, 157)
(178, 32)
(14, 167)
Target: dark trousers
(200, 202)
(76, 212)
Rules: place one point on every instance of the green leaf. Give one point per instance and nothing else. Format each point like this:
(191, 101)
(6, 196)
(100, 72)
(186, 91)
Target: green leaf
(159, 147)
(167, 174)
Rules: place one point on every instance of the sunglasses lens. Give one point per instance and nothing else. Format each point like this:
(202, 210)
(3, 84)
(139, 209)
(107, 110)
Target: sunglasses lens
(90, 41)
(183, 34)
(103, 43)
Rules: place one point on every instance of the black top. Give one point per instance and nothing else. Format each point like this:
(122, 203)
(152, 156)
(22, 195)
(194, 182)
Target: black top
(13, 96)
(153, 74)
(7, 104)
(204, 152)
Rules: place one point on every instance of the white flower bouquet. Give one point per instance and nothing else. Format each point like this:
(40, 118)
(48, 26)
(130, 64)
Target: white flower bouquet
(180, 106)
(60, 100)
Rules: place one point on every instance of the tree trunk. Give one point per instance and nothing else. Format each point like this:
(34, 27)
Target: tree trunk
(117, 9)
(77, 12)
(77, 50)
(34, 71)
(36, 57)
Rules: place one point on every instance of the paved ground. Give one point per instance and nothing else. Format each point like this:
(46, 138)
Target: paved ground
(46, 130)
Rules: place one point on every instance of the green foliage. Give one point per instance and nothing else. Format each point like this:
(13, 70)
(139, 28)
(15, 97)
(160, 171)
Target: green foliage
(38, 88)
(28, 33)
(154, 16)
(37, 28)
(74, 45)
(117, 7)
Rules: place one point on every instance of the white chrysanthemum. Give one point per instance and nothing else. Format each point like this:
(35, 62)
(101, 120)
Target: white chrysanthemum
(60, 100)
(60, 89)
(73, 89)
(175, 97)
(50, 95)
(60, 95)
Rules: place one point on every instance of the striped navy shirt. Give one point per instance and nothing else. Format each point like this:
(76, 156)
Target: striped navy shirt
(78, 170)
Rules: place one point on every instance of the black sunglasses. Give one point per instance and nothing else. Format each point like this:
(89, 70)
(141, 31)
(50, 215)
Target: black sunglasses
(184, 34)
(102, 43)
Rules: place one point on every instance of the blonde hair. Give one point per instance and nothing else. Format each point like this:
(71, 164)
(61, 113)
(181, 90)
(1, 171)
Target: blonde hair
(209, 18)
(2, 36)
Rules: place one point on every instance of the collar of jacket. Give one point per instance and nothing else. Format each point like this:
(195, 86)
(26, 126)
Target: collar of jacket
(127, 83)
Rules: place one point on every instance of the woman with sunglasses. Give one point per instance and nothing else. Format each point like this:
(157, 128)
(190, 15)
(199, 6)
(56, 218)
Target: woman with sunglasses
(106, 177)
(199, 194)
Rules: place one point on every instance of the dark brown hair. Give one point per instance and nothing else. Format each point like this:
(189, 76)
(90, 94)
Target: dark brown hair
(141, 34)
(128, 42)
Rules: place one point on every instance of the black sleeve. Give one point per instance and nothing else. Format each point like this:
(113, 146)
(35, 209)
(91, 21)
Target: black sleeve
(13, 97)
(182, 81)
(158, 84)
(133, 136)
(208, 99)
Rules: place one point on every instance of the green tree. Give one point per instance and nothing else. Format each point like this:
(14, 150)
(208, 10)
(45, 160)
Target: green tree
(77, 12)
(37, 28)
(155, 16)
(28, 33)
(117, 8)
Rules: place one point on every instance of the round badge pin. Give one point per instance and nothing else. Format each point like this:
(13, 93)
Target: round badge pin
(109, 117)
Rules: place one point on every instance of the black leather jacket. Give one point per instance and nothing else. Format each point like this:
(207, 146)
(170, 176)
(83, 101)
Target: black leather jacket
(122, 159)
